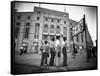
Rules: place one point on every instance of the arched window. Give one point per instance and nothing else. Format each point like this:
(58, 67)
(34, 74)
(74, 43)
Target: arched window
(46, 25)
(27, 29)
(28, 24)
(58, 30)
(17, 24)
(28, 17)
(52, 26)
(18, 17)
(58, 27)
(45, 28)
(36, 33)
(52, 29)
(64, 22)
(16, 32)
(17, 28)
(26, 35)
(64, 30)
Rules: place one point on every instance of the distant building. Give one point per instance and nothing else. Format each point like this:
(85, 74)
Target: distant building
(32, 28)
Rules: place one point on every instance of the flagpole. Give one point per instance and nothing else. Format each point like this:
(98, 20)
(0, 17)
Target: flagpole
(85, 29)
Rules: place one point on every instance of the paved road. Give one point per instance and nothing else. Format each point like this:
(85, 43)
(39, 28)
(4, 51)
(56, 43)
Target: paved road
(30, 63)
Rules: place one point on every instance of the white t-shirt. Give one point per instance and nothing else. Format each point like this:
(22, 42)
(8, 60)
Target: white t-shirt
(63, 43)
(57, 43)
(21, 47)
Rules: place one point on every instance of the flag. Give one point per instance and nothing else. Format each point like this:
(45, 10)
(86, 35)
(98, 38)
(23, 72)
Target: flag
(80, 27)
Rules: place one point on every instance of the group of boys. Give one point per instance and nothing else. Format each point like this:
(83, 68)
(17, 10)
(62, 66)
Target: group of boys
(54, 49)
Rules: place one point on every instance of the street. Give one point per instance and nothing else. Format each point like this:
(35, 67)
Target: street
(30, 63)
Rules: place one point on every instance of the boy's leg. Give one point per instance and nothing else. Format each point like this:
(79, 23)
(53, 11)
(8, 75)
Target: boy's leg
(42, 59)
(45, 57)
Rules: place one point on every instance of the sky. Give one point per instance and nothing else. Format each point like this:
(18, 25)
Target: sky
(75, 13)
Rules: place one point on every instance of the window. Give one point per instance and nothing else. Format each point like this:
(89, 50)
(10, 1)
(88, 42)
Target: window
(71, 24)
(52, 20)
(38, 12)
(28, 17)
(19, 17)
(26, 32)
(45, 37)
(17, 29)
(27, 28)
(58, 21)
(64, 30)
(46, 19)
(17, 24)
(52, 26)
(36, 34)
(38, 18)
(64, 22)
(58, 30)
(16, 32)
(70, 29)
(58, 27)
(45, 28)
(52, 29)
(27, 24)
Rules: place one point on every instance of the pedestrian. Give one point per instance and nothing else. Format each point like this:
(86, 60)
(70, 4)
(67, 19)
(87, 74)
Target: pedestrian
(45, 54)
(52, 53)
(21, 50)
(80, 50)
(74, 51)
(24, 50)
(88, 53)
(58, 51)
(64, 52)
(93, 51)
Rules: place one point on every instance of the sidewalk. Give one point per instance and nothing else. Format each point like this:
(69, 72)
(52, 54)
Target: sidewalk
(31, 63)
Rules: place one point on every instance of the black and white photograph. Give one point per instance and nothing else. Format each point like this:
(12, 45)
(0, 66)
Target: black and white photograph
(53, 37)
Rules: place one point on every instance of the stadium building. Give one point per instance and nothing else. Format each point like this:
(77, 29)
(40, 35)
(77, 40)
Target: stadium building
(32, 28)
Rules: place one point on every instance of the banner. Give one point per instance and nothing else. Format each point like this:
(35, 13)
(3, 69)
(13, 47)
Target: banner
(79, 27)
